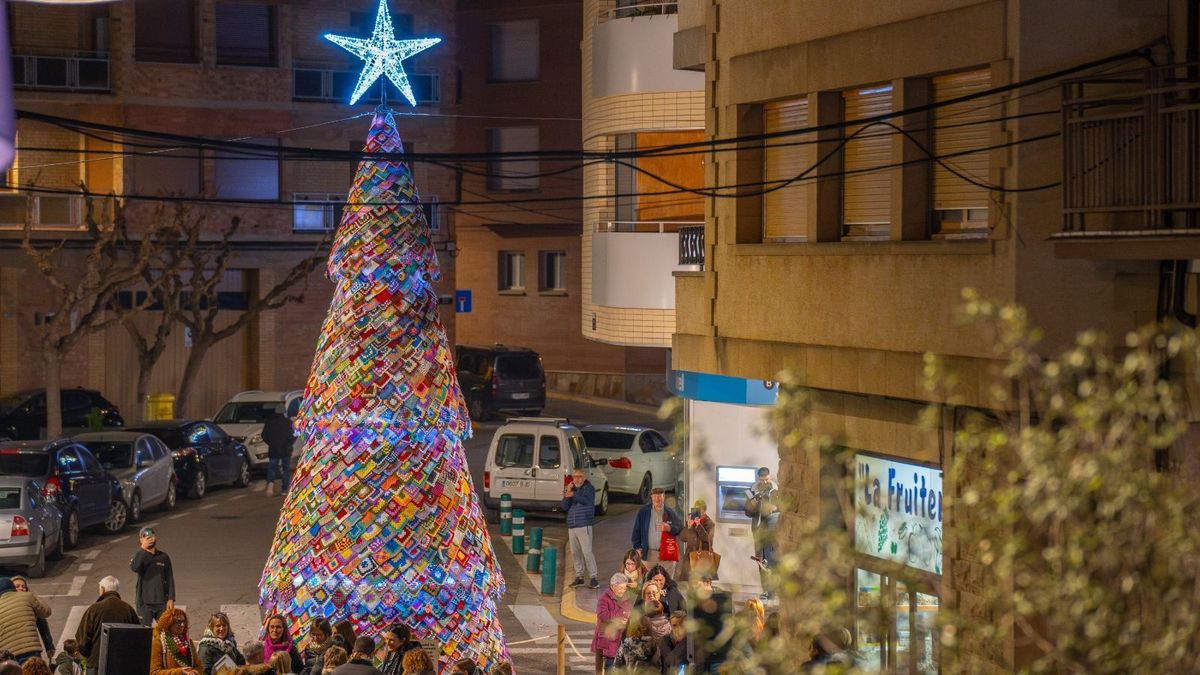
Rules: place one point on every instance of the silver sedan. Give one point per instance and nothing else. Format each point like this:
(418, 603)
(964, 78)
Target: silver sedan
(30, 526)
(141, 462)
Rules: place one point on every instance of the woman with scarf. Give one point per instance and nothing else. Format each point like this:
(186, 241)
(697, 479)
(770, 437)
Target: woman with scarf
(320, 639)
(399, 640)
(279, 639)
(171, 652)
(218, 643)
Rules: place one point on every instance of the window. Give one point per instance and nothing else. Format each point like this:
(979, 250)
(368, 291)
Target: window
(647, 444)
(549, 454)
(198, 434)
(961, 208)
(157, 448)
(245, 34)
(216, 434)
(866, 189)
(515, 451)
(364, 23)
(166, 174)
(512, 271)
(577, 452)
(90, 462)
(144, 453)
(514, 51)
(785, 211)
(76, 402)
(552, 271)
(248, 176)
(165, 31)
(68, 461)
(513, 174)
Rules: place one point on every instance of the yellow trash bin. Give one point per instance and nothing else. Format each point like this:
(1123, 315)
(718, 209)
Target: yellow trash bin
(160, 407)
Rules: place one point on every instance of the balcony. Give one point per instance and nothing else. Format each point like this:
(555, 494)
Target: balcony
(1131, 165)
(333, 84)
(75, 71)
(633, 262)
(633, 50)
(45, 212)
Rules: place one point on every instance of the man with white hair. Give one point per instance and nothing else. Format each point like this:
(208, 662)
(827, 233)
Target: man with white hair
(108, 608)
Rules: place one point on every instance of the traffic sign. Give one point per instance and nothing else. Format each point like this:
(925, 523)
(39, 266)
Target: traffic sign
(462, 301)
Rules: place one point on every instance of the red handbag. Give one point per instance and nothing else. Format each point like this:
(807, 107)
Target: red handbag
(668, 547)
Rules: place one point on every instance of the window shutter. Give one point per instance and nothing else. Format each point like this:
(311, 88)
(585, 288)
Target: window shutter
(163, 173)
(238, 177)
(244, 34)
(949, 191)
(867, 196)
(165, 30)
(785, 209)
(514, 51)
(507, 174)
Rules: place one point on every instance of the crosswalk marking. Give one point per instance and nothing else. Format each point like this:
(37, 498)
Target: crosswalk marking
(75, 589)
(73, 620)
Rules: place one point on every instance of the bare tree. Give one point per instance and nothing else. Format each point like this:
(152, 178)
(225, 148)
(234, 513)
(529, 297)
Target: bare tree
(206, 267)
(81, 296)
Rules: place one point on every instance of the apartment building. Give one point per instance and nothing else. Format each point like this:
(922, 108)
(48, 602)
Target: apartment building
(257, 71)
(852, 269)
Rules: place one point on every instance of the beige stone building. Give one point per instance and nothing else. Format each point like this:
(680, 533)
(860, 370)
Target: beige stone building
(852, 269)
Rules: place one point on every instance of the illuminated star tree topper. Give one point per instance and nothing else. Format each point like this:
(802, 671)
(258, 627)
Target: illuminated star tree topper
(382, 54)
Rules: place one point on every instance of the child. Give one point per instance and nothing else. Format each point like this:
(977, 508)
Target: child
(69, 661)
(673, 645)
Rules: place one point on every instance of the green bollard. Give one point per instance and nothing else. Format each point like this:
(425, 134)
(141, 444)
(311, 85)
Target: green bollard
(535, 538)
(518, 544)
(518, 522)
(534, 560)
(505, 514)
(549, 569)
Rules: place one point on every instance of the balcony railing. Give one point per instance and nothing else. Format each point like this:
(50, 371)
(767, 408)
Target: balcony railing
(54, 212)
(75, 72)
(659, 226)
(631, 8)
(1131, 152)
(329, 84)
(691, 245)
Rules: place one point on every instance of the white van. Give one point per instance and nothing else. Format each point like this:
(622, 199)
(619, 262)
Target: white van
(532, 459)
(243, 416)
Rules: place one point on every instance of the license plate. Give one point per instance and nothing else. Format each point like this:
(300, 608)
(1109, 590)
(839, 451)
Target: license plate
(513, 483)
(520, 397)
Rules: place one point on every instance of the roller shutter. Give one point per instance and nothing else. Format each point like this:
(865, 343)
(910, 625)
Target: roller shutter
(784, 210)
(954, 133)
(866, 190)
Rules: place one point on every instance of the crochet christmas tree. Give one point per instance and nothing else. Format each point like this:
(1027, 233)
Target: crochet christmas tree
(381, 523)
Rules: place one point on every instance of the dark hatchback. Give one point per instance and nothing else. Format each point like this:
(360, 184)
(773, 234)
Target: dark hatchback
(500, 379)
(204, 455)
(23, 414)
(84, 491)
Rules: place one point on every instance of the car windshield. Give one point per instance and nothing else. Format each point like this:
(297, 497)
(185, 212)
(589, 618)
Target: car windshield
(113, 454)
(247, 413)
(10, 498)
(10, 403)
(172, 437)
(610, 440)
(18, 463)
(519, 367)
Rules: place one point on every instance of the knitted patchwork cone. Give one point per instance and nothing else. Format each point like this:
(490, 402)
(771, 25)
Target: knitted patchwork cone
(382, 523)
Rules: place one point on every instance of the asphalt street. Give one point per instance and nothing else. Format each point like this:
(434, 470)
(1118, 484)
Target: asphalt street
(218, 546)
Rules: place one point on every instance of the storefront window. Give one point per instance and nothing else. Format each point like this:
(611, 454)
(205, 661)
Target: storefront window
(868, 638)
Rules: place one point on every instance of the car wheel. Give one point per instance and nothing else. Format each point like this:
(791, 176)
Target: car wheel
(602, 507)
(118, 514)
(199, 485)
(172, 495)
(135, 507)
(243, 478)
(56, 553)
(38, 569)
(478, 409)
(643, 493)
(71, 529)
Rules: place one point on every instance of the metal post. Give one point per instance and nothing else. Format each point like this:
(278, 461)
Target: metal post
(505, 514)
(562, 649)
(549, 569)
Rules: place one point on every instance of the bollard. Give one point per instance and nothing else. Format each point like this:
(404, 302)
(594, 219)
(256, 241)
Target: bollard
(518, 522)
(534, 560)
(535, 538)
(549, 569)
(506, 514)
(518, 544)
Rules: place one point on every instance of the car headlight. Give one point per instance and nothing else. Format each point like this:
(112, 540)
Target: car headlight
(254, 439)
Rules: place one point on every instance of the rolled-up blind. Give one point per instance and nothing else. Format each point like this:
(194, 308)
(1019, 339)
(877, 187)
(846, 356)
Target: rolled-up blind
(957, 129)
(866, 188)
(785, 209)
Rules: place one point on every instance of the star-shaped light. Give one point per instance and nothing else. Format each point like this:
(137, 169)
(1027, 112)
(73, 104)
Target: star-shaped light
(382, 55)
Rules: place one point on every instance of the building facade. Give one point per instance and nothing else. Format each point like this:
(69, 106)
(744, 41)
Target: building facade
(844, 252)
(258, 72)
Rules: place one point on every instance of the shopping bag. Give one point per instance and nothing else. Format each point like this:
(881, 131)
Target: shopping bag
(704, 563)
(668, 547)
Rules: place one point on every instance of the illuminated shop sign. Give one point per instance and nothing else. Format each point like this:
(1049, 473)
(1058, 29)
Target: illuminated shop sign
(898, 514)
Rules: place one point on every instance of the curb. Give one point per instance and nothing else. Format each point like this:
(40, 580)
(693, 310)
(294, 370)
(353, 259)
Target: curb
(605, 402)
(567, 606)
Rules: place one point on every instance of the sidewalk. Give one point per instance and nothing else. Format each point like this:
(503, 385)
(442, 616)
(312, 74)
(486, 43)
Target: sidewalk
(610, 543)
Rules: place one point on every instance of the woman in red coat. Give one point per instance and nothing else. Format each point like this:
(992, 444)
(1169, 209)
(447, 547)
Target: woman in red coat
(612, 613)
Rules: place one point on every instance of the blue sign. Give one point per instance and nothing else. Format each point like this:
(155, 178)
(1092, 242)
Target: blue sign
(462, 302)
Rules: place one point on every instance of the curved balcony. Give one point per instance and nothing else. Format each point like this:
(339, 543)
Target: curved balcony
(633, 262)
(633, 51)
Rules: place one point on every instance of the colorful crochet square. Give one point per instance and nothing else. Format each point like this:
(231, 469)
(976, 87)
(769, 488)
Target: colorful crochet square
(382, 523)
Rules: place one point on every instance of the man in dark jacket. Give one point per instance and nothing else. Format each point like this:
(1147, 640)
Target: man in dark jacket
(579, 501)
(652, 520)
(360, 659)
(156, 579)
(108, 608)
(277, 434)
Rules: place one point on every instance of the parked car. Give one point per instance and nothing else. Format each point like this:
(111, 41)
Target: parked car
(73, 478)
(204, 455)
(243, 416)
(30, 526)
(23, 414)
(637, 458)
(141, 462)
(500, 379)
(532, 459)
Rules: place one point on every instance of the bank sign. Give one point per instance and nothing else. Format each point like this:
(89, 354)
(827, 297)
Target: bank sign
(898, 512)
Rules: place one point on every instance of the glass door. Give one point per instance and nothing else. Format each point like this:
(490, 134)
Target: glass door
(895, 626)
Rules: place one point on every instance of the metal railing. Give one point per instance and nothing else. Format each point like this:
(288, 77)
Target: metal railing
(691, 245)
(74, 72)
(55, 212)
(651, 226)
(1131, 151)
(625, 9)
